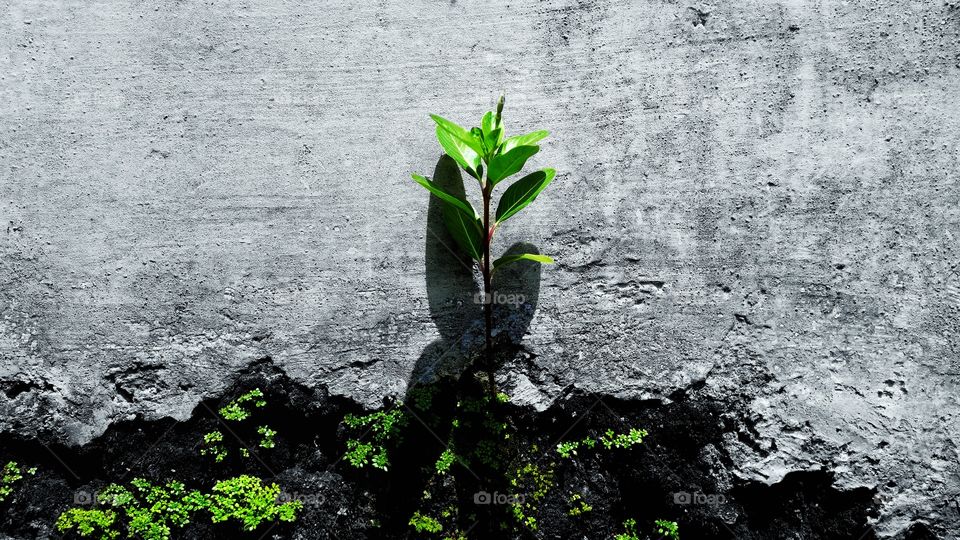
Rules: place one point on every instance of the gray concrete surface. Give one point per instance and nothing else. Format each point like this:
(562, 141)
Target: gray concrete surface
(760, 196)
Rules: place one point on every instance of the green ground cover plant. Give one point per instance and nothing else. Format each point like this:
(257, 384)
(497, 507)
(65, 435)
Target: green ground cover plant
(10, 476)
(149, 511)
(154, 512)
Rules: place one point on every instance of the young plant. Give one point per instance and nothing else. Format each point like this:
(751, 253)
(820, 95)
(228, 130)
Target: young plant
(631, 531)
(609, 440)
(239, 409)
(578, 506)
(213, 446)
(486, 155)
(10, 476)
(89, 523)
(247, 500)
(381, 427)
(667, 529)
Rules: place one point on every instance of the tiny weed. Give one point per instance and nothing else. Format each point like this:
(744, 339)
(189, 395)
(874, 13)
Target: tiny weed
(445, 461)
(240, 408)
(89, 523)
(267, 437)
(578, 506)
(609, 440)
(251, 502)
(631, 531)
(667, 529)
(213, 446)
(382, 427)
(534, 483)
(422, 523)
(11, 475)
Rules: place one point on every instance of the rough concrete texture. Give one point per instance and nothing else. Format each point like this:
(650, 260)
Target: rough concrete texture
(754, 198)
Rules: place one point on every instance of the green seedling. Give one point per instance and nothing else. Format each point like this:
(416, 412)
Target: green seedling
(247, 500)
(240, 408)
(667, 529)
(578, 506)
(158, 511)
(10, 476)
(631, 531)
(97, 524)
(381, 427)
(213, 446)
(488, 156)
(609, 440)
(422, 523)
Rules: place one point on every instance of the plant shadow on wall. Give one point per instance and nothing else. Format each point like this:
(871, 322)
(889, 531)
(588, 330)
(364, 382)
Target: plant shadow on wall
(447, 379)
(457, 459)
(453, 460)
(455, 297)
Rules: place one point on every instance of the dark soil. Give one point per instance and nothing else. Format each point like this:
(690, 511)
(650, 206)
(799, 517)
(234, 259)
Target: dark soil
(679, 473)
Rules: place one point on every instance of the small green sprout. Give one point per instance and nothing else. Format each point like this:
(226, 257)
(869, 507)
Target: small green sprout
(631, 531)
(422, 523)
(89, 523)
(622, 440)
(609, 440)
(445, 461)
(10, 476)
(667, 529)
(578, 506)
(239, 409)
(381, 427)
(151, 511)
(533, 483)
(213, 446)
(249, 501)
(267, 437)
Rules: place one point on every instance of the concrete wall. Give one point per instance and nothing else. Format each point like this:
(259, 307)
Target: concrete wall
(755, 196)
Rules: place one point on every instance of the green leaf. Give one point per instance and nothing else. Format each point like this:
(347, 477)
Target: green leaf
(492, 132)
(523, 192)
(460, 152)
(459, 132)
(461, 204)
(508, 259)
(466, 230)
(460, 217)
(509, 163)
(522, 140)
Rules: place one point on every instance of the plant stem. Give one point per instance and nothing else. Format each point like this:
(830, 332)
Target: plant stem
(488, 290)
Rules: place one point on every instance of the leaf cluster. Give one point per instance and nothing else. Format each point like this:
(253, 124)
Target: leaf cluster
(381, 427)
(239, 411)
(578, 506)
(488, 156)
(667, 529)
(241, 408)
(10, 476)
(251, 502)
(153, 512)
(609, 440)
